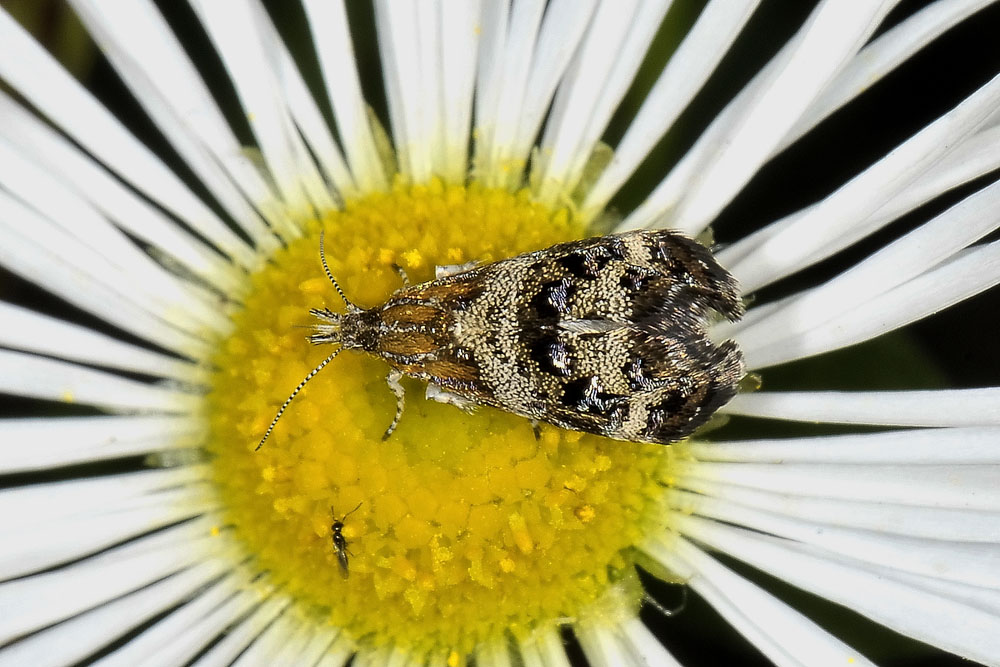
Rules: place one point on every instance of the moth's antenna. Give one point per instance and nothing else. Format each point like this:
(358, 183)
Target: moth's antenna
(329, 274)
(288, 400)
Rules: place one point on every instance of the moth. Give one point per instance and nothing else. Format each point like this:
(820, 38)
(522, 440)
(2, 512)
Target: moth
(606, 335)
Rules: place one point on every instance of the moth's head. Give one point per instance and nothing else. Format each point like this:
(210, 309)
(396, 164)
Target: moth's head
(329, 330)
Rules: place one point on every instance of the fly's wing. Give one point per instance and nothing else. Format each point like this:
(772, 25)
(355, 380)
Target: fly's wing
(606, 335)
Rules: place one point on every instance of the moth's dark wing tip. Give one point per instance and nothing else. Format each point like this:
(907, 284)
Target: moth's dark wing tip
(718, 289)
(681, 417)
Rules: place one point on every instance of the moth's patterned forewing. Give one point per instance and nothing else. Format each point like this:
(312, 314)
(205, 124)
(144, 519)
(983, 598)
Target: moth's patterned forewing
(605, 335)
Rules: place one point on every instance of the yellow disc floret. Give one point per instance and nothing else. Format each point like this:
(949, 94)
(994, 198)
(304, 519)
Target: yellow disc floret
(467, 526)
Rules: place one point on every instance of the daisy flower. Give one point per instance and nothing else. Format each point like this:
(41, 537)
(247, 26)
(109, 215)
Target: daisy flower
(139, 524)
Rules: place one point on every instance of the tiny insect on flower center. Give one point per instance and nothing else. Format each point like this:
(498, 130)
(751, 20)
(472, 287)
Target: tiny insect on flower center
(464, 526)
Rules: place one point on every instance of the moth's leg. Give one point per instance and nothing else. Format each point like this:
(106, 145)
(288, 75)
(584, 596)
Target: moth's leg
(536, 429)
(402, 274)
(445, 270)
(392, 379)
(436, 393)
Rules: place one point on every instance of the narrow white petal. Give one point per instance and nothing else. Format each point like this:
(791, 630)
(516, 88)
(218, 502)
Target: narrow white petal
(493, 654)
(233, 29)
(237, 638)
(37, 377)
(34, 602)
(332, 39)
(959, 278)
(75, 498)
(338, 654)
(881, 56)
(33, 332)
(744, 136)
(38, 252)
(970, 487)
(273, 645)
(646, 645)
(51, 151)
(893, 265)
(73, 640)
(687, 71)
(35, 550)
(846, 216)
(985, 599)
(400, 50)
(972, 563)
(170, 90)
(70, 215)
(32, 71)
(544, 648)
(962, 525)
(505, 69)
(955, 627)
(783, 634)
(305, 112)
(322, 643)
(603, 646)
(954, 407)
(459, 32)
(187, 628)
(914, 446)
(975, 156)
(51, 442)
(600, 74)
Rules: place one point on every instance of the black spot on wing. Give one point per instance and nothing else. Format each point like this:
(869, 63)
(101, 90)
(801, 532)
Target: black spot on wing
(588, 262)
(552, 299)
(552, 355)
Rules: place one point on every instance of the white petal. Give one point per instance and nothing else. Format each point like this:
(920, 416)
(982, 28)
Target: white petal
(34, 602)
(505, 65)
(954, 407)
(603, 646)
(249, 59)
(893, 265)
(52, 152)
(459, 52)
(170, 90)
(972, 563)
(399, 45)
(33, 332)
(846, 216)
(937, 620)
(26, 67)
(237, 638)
(33, 550)
(73, 640)
(687, 71)
(47, 379)
(744, 135)
(971, 487)
(338, 654)
(493, 654)
(646, 645)
(881, 56)
(780, 632)
(966, 275)
(70, 215)
(50, 442)
(38, 252)
(599, 76)
(960, 525)
(518, 124)
(915, 446)
(332, 39)
(544, 648)
(178, 636)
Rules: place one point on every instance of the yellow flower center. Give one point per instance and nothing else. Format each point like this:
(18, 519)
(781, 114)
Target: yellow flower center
(466, 526)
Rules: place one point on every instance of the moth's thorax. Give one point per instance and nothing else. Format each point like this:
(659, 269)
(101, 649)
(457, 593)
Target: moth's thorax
(360, 329)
